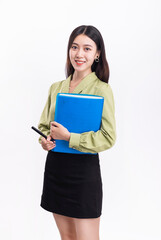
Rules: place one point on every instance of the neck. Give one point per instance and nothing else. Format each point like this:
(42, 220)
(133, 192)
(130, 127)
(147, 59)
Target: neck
(78, 76)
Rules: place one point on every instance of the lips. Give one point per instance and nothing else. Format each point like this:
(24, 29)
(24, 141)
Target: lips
(78, 62)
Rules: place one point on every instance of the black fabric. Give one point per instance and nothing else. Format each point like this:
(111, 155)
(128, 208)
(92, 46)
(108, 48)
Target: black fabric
(72, 185)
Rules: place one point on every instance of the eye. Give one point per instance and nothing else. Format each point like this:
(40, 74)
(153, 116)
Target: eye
(87, 49)
(74, 47)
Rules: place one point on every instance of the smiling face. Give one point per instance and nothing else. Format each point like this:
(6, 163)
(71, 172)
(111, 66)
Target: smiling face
(83, 53)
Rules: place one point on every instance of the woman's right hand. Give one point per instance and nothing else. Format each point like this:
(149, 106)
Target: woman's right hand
(47, 144)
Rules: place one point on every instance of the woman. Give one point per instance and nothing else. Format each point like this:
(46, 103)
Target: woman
(72, 188)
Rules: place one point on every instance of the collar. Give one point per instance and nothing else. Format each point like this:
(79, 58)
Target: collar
(83, 84)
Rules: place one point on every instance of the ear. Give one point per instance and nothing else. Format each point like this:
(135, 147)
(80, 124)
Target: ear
(97, 54)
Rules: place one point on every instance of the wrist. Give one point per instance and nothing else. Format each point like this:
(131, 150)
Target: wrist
(68, 137)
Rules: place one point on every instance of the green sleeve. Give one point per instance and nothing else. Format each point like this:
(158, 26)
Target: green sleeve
(104, 138)
(44, 122)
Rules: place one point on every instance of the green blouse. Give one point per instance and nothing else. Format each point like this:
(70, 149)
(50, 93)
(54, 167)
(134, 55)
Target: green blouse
(92, 142)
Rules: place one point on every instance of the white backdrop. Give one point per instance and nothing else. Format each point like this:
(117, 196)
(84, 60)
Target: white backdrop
(33, 44)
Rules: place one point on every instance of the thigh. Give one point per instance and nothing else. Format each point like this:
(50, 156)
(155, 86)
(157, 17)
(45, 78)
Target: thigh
(87, 228)
(66, 226)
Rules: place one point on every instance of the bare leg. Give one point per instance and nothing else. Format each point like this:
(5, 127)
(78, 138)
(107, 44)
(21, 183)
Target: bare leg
(66, 226)
(87, 228)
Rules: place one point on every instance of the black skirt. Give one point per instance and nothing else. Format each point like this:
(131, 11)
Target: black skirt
(72, 185)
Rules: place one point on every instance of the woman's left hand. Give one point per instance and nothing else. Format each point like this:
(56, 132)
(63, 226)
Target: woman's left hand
(58, 131)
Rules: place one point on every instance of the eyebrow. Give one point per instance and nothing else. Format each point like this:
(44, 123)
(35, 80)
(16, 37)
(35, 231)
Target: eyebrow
(83, 45)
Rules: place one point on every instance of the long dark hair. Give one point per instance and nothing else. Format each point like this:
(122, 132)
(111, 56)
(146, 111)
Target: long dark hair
(101, 68)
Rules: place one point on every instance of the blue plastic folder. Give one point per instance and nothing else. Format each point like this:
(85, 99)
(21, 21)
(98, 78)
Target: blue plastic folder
(78, 113)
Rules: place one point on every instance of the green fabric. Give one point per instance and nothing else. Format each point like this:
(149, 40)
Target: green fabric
(92, 142)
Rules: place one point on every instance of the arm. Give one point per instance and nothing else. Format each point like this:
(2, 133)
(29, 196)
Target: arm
(44, 123)
(105, 137)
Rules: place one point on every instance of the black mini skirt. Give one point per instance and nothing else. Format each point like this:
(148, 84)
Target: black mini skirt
(72, 185)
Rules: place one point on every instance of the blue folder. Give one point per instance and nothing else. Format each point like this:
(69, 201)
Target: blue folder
(78, 113)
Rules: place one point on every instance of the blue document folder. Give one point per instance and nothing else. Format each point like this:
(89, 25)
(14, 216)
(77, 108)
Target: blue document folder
(78, 113)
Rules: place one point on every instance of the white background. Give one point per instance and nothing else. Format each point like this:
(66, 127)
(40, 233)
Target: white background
(33, 43)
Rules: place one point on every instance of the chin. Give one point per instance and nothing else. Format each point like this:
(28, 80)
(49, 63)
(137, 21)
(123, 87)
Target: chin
(81, 69)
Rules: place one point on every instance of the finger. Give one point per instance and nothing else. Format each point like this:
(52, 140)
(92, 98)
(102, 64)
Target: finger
(44, 147)
(50, 143)
(48, 138)
(54, 124)
(52, 147)
(47, 147)
(43, 139)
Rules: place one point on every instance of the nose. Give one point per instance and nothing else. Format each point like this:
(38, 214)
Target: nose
(79, 53)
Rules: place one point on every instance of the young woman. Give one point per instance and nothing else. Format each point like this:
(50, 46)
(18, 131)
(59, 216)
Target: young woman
(72, 188)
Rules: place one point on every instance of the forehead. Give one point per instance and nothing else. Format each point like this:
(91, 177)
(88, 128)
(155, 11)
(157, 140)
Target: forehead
(84, 40)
